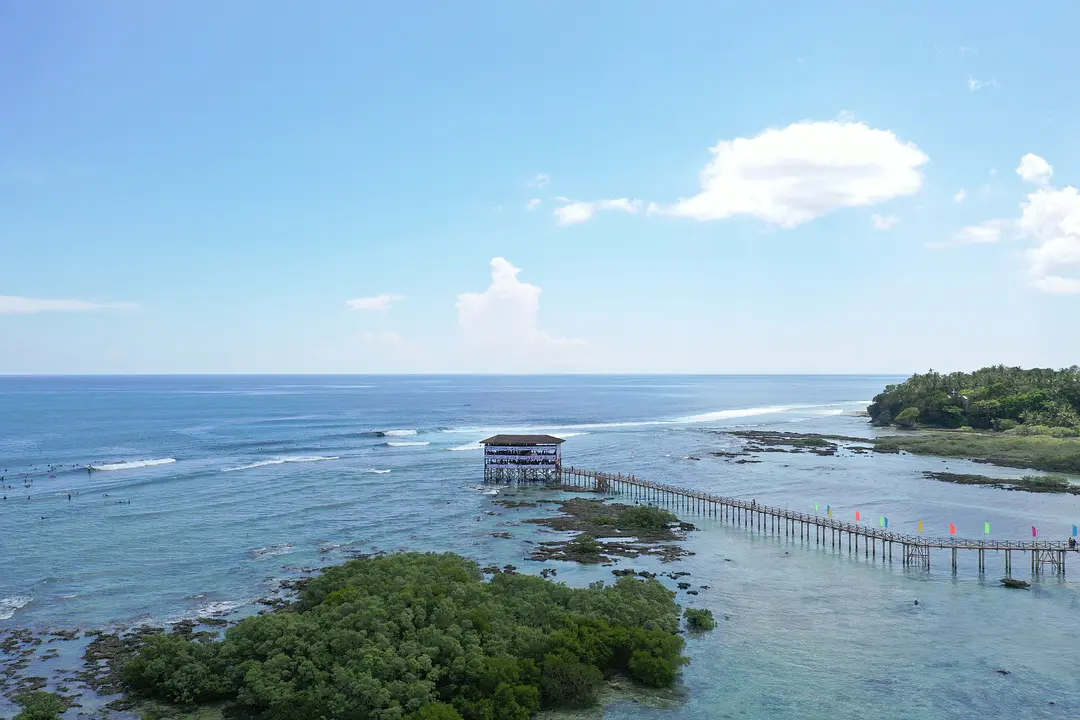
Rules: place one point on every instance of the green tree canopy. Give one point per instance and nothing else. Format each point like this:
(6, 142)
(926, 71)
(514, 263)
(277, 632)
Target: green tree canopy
(998, 398)
(422, 636)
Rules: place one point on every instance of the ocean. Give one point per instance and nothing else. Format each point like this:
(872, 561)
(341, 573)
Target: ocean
(210, 490)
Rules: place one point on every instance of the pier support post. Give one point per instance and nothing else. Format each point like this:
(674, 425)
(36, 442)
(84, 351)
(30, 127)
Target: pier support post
(954, 560)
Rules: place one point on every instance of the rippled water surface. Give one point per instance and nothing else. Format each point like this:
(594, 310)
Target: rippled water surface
(211, 489)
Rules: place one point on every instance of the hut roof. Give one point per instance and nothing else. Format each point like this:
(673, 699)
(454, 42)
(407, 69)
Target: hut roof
(522, 440)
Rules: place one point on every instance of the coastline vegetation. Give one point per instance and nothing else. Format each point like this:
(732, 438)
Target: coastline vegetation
(1028, 483)
(41, 706)
(993, 398)
(1038, 452)
(422, 636)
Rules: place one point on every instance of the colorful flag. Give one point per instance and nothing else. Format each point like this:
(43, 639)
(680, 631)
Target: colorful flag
(952, 529)
(815, 507)
(920, 526)
(830, 511)
(986, 528)
(1076, 530)
(886, 522)
(858, 516)
(881, 521)
(1034, 531)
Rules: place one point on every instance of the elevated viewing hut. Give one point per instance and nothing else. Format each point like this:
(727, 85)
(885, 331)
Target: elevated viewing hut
(509, 458)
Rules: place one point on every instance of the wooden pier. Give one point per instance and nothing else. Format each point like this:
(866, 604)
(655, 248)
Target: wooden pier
(913, 550)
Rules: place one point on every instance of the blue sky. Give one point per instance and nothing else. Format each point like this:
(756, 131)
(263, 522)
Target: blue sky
(758, 187)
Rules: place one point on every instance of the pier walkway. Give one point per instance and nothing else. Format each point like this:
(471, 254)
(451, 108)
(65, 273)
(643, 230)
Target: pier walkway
(913, 549)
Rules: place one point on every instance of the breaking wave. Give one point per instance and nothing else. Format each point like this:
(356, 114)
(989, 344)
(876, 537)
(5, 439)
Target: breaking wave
(217, 609)
(282, 460)
(735, 414)
(377, 471)
(273, 550)
(9, 605)
(396, 433)
(467, 446)
(408, 444)
(132, 464)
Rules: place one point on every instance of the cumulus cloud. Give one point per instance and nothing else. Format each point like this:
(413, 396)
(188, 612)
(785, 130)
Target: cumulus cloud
(579, 212)
(541, 181)
(1050, 220)
(985, 233)
(506, 315)
(1035, 169)
(976, 85)
(378, 302)
(12, 305)
(960, 196)
(790, 176)
(533, 204)
(884, 222)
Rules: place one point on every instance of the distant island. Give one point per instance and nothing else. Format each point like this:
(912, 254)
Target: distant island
(1002, 415)
(1007, 399)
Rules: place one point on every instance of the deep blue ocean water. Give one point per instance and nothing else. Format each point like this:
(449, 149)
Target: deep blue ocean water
(212, 489)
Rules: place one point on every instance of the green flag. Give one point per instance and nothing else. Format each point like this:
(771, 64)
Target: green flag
(986, 528)
(882, 521)
(815, 507)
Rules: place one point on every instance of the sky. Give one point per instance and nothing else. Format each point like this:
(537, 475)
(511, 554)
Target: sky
(538, 186)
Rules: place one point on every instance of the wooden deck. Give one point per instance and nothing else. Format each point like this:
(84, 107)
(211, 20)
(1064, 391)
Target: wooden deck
(914, 550)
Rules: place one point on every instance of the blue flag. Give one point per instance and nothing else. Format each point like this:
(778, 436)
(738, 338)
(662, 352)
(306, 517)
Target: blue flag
(1075, 528)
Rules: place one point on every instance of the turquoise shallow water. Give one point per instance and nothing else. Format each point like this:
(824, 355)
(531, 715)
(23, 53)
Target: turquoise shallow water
(272, 474)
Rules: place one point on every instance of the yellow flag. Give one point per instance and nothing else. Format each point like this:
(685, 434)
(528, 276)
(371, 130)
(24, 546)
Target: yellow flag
(920, 526)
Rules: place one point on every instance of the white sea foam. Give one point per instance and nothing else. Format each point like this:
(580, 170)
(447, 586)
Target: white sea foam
(834, 411)
(273, 550)
(132, 464)
(407, 444)
(734, 414)
(467, 446)
(9, 605)
(571, 430)
(282, 460)
(397, 433)
(217, 609)
(376, 471)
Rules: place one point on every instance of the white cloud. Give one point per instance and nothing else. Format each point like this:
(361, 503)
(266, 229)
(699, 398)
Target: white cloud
(1057, 285)
(12, 305)
(533, 204)
(541, 181)
(845, 116)
(884, 222)
(967, 49)
(1035, 169)
(1050, 219)
(378, 302)
(960, 196)
(985, 233)
(975, 85)
(792, 175)
(579, 212)
(505, 316)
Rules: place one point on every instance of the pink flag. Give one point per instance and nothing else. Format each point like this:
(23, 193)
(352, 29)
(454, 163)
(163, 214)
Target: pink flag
(952, 529)
(1034, 531)
(858, 516)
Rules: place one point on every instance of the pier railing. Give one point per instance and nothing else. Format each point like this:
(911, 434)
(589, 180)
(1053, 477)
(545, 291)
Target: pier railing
(750, 513)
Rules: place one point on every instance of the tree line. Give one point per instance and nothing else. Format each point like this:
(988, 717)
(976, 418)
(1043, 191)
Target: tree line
(993, 398)
(424, 637)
